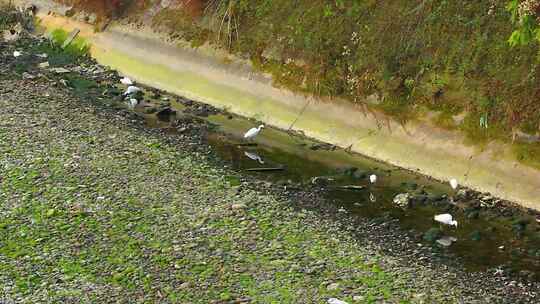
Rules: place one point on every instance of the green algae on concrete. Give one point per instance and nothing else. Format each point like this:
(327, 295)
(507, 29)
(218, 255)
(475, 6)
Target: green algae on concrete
(313, 122)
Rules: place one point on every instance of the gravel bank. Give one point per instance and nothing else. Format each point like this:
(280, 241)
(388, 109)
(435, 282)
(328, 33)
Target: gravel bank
(96, 208)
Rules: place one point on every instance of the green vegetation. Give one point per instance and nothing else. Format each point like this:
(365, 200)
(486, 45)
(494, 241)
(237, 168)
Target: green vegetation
(524, 17)
(56, 55)
(106, 213)
(77, 47)
(448, 56)
(528, 154)
(7, 16)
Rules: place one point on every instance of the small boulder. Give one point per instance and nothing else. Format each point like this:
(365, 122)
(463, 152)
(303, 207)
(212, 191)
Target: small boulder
(332, 286)
(26, 75)
(336, 301)
(321, 180)
(43, 65)
(446, 241)
(165, 113)
(60, 70)
(402, 200)
(238, 206)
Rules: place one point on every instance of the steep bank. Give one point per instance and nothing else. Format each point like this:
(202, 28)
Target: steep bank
(453, 58)
(215, 77)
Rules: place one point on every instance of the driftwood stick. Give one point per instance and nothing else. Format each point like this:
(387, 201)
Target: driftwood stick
(265, 169)
(352, 187)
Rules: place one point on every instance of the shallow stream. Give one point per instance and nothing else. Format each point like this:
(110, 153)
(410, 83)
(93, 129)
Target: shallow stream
(484, 239)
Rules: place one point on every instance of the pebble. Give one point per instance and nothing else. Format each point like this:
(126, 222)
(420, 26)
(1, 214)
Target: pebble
(336, 301)
(332, 286)
(26, 75)
(60, 70)
(446, 241)
(238, 206)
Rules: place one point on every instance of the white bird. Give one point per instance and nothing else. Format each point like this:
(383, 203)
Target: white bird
(373, 178)
(132, 90)
(453, 183)
(336, 301)
(251, 133)
(126, 81)
(17, 54)
(446, 219)
(132, 103)
(254, 156)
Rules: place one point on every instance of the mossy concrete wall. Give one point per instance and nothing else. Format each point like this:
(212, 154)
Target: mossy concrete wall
(214, 77)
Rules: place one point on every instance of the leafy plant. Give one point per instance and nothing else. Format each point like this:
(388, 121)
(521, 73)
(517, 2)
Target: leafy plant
(523, 16)
(77, 47)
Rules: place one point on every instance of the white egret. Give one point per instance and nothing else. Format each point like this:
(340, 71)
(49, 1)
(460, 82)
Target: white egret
(336, 301)
(17, 54)
(254, 156)
(126, 81)
(251, 133)
(446, 219)
(132, 90)
(454, 183)
(373, 178)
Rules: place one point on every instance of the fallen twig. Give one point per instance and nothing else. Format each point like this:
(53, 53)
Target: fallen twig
(265, 169)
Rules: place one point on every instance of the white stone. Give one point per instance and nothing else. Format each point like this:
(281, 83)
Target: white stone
(402, 200)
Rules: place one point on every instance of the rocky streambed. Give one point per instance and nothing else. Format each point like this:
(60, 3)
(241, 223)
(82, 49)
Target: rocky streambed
(76, 105)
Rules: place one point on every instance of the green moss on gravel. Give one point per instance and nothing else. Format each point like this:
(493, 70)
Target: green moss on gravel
(94, 210)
